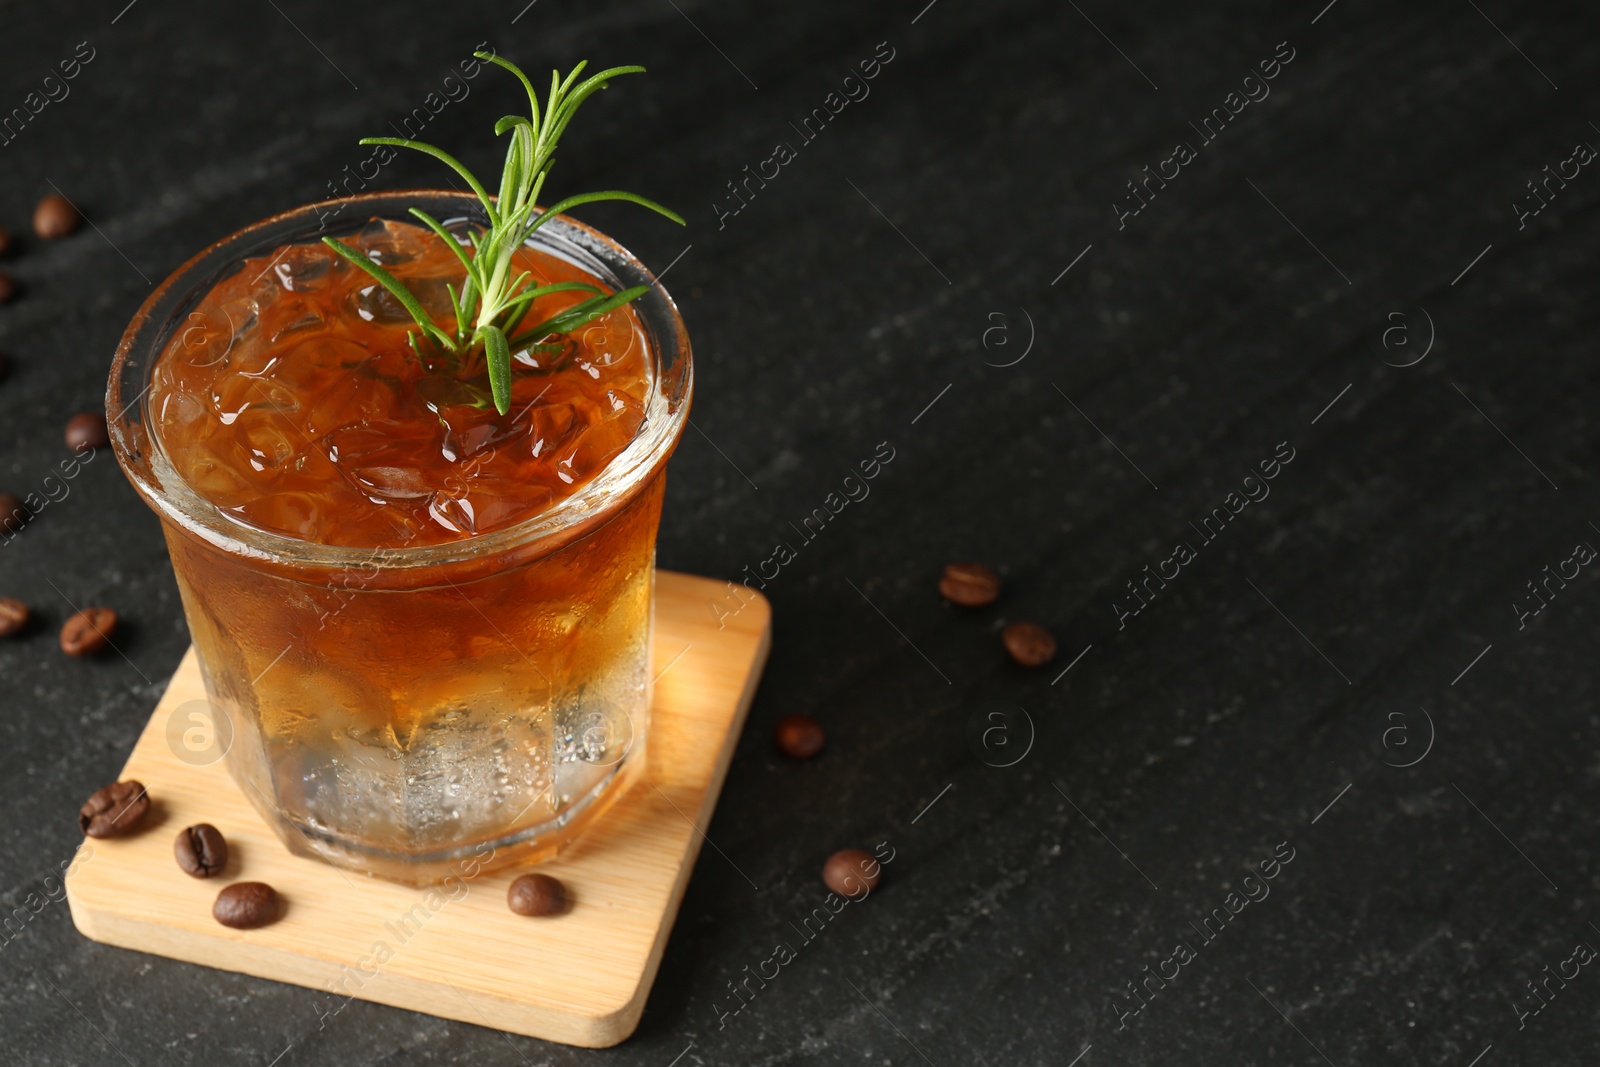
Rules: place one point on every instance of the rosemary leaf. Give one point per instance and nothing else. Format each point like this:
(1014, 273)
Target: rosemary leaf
(518, 306)
(444, 157)
(608, 194)
(445, 235)
(579, 314)
(498, 352)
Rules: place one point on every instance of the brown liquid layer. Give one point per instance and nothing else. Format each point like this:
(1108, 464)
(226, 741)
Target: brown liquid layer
(293, 401)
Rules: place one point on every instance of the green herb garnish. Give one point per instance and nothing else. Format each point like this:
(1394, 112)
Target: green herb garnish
(490, 303)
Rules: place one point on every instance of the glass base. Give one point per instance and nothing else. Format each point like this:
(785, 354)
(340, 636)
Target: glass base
(538, 843)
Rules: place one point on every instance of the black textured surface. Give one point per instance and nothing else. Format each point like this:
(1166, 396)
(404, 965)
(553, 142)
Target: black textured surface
(1199, 737)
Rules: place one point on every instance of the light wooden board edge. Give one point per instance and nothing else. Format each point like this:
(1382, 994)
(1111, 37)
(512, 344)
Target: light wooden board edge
(105, 887)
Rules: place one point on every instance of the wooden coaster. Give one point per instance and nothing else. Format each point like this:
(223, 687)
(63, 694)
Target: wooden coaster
(580, 978)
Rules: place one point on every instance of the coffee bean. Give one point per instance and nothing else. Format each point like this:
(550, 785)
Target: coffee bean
(6, 243)
(87, 430)
(246, 905)
(88, 632)
(55, 217)
(114, 810)
(13, 515)
(799, 736)
(1029, 643)
(13, 616)
(852, 872)
(536, 894)
(8, 288)
(971, 585)
(201, 850)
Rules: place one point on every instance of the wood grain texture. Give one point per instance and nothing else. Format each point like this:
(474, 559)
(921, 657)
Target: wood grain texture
(579, 978)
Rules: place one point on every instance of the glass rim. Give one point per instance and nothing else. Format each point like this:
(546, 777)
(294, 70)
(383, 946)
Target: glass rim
(595, 502)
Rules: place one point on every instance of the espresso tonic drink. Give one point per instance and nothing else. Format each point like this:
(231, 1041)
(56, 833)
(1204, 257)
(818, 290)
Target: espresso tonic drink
(424, 625)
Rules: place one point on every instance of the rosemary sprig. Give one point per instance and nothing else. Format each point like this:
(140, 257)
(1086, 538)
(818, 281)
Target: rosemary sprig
(491, 303)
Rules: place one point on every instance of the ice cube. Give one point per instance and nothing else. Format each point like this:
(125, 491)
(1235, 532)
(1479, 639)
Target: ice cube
(304, 268)
(602, 441)
(550, 425)
(365, 445)
(542, 357)
(469, 431)
(218, 481)
(185, 418)
(455, 514)
(210, 332)
(315, 360)
(234, 394)
(311, 320)
(350, 400)
(265, 436)
(392, 483)
(494, 507)
(608, 340)
(374, 303)
(434, 296)
(443, 391)
(303, 515)
(389, 243)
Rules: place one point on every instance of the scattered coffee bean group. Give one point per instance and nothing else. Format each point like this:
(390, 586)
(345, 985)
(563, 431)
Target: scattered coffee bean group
(852, 872)
(974, 585)
(201, 850)
(537, 895)
(114, 810)
(246, 905)
(799, 736)
(53, 217)
(88, 632)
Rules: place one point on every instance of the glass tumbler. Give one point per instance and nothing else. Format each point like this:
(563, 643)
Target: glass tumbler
(412, 712)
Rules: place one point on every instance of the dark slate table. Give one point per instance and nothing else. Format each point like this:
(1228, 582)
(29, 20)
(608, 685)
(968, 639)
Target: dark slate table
(1340, 680)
